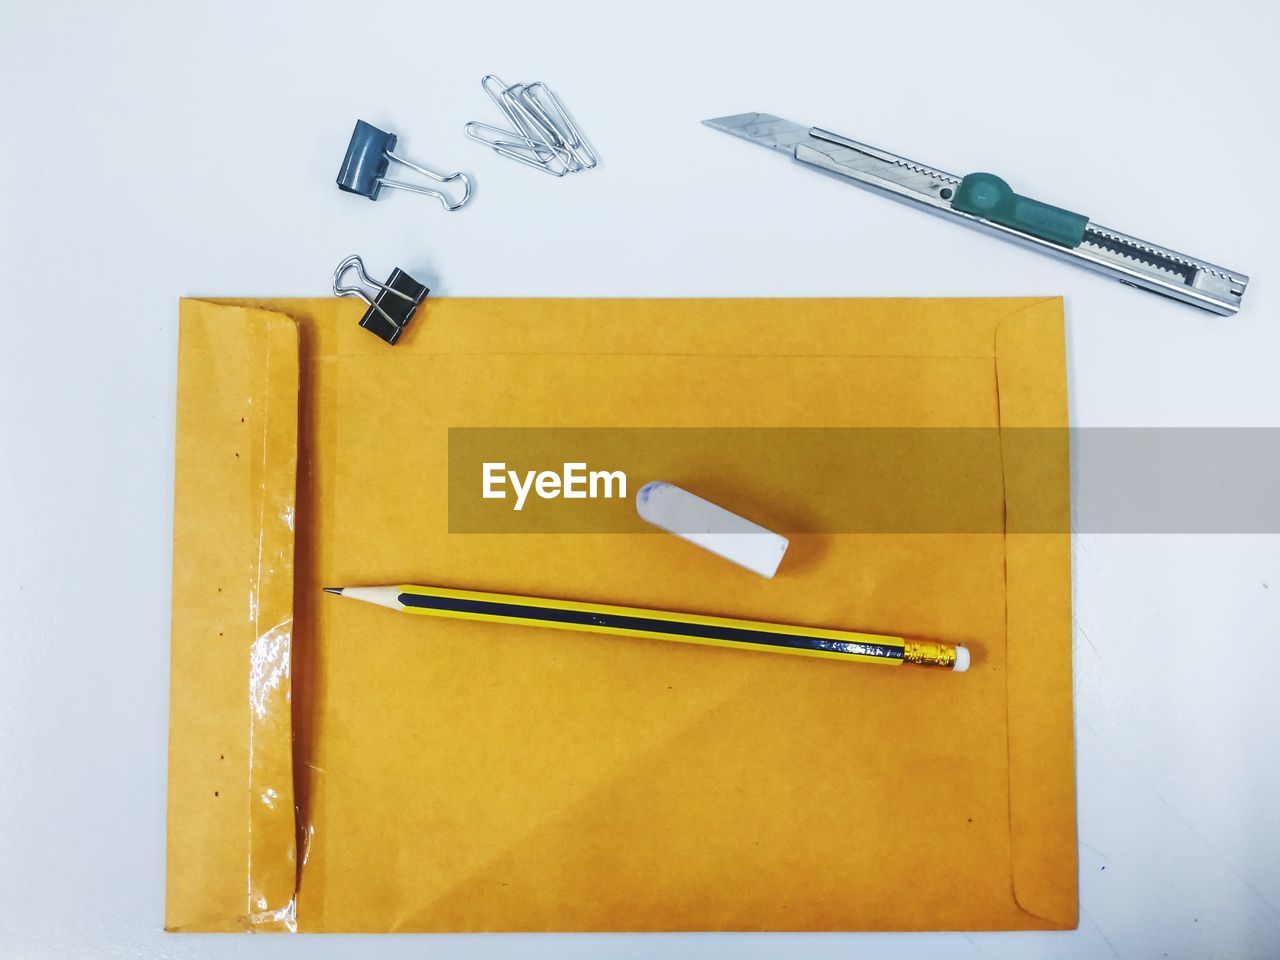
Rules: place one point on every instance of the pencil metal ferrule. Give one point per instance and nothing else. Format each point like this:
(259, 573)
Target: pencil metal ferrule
(929, 653)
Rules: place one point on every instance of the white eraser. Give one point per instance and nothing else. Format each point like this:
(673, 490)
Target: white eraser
(713, 528)
(962, 659)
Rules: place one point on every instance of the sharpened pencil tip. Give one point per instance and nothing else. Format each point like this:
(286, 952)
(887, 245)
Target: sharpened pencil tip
(337, 590)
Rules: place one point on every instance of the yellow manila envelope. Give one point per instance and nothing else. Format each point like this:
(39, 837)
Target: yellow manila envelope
(335, 766)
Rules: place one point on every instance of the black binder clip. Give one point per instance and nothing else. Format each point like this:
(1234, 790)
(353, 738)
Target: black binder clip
(391, 308)
(369, 154)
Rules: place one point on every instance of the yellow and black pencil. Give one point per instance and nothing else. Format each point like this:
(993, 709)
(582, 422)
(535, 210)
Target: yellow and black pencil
(661, 625)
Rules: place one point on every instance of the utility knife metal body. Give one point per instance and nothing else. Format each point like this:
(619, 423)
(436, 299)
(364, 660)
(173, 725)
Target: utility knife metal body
(987, 202)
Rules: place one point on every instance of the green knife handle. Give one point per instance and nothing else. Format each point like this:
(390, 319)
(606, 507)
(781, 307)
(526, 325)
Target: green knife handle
(987, 196)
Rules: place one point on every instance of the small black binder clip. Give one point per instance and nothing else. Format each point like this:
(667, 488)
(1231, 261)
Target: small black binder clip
(369, 154)
(391, 308)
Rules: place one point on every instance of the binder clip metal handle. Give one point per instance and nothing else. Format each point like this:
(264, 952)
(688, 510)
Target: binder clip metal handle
(391, 307)
(371, 153)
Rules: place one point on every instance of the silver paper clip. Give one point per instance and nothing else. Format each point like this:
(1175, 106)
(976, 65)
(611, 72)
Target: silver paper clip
(369, 155)
(543, 135)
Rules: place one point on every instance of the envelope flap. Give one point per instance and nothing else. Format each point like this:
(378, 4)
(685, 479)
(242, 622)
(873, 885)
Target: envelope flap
(1030, 355)
(791, 327)
(231, 833)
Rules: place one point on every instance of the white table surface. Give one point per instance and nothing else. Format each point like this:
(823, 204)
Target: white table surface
(159, 150)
